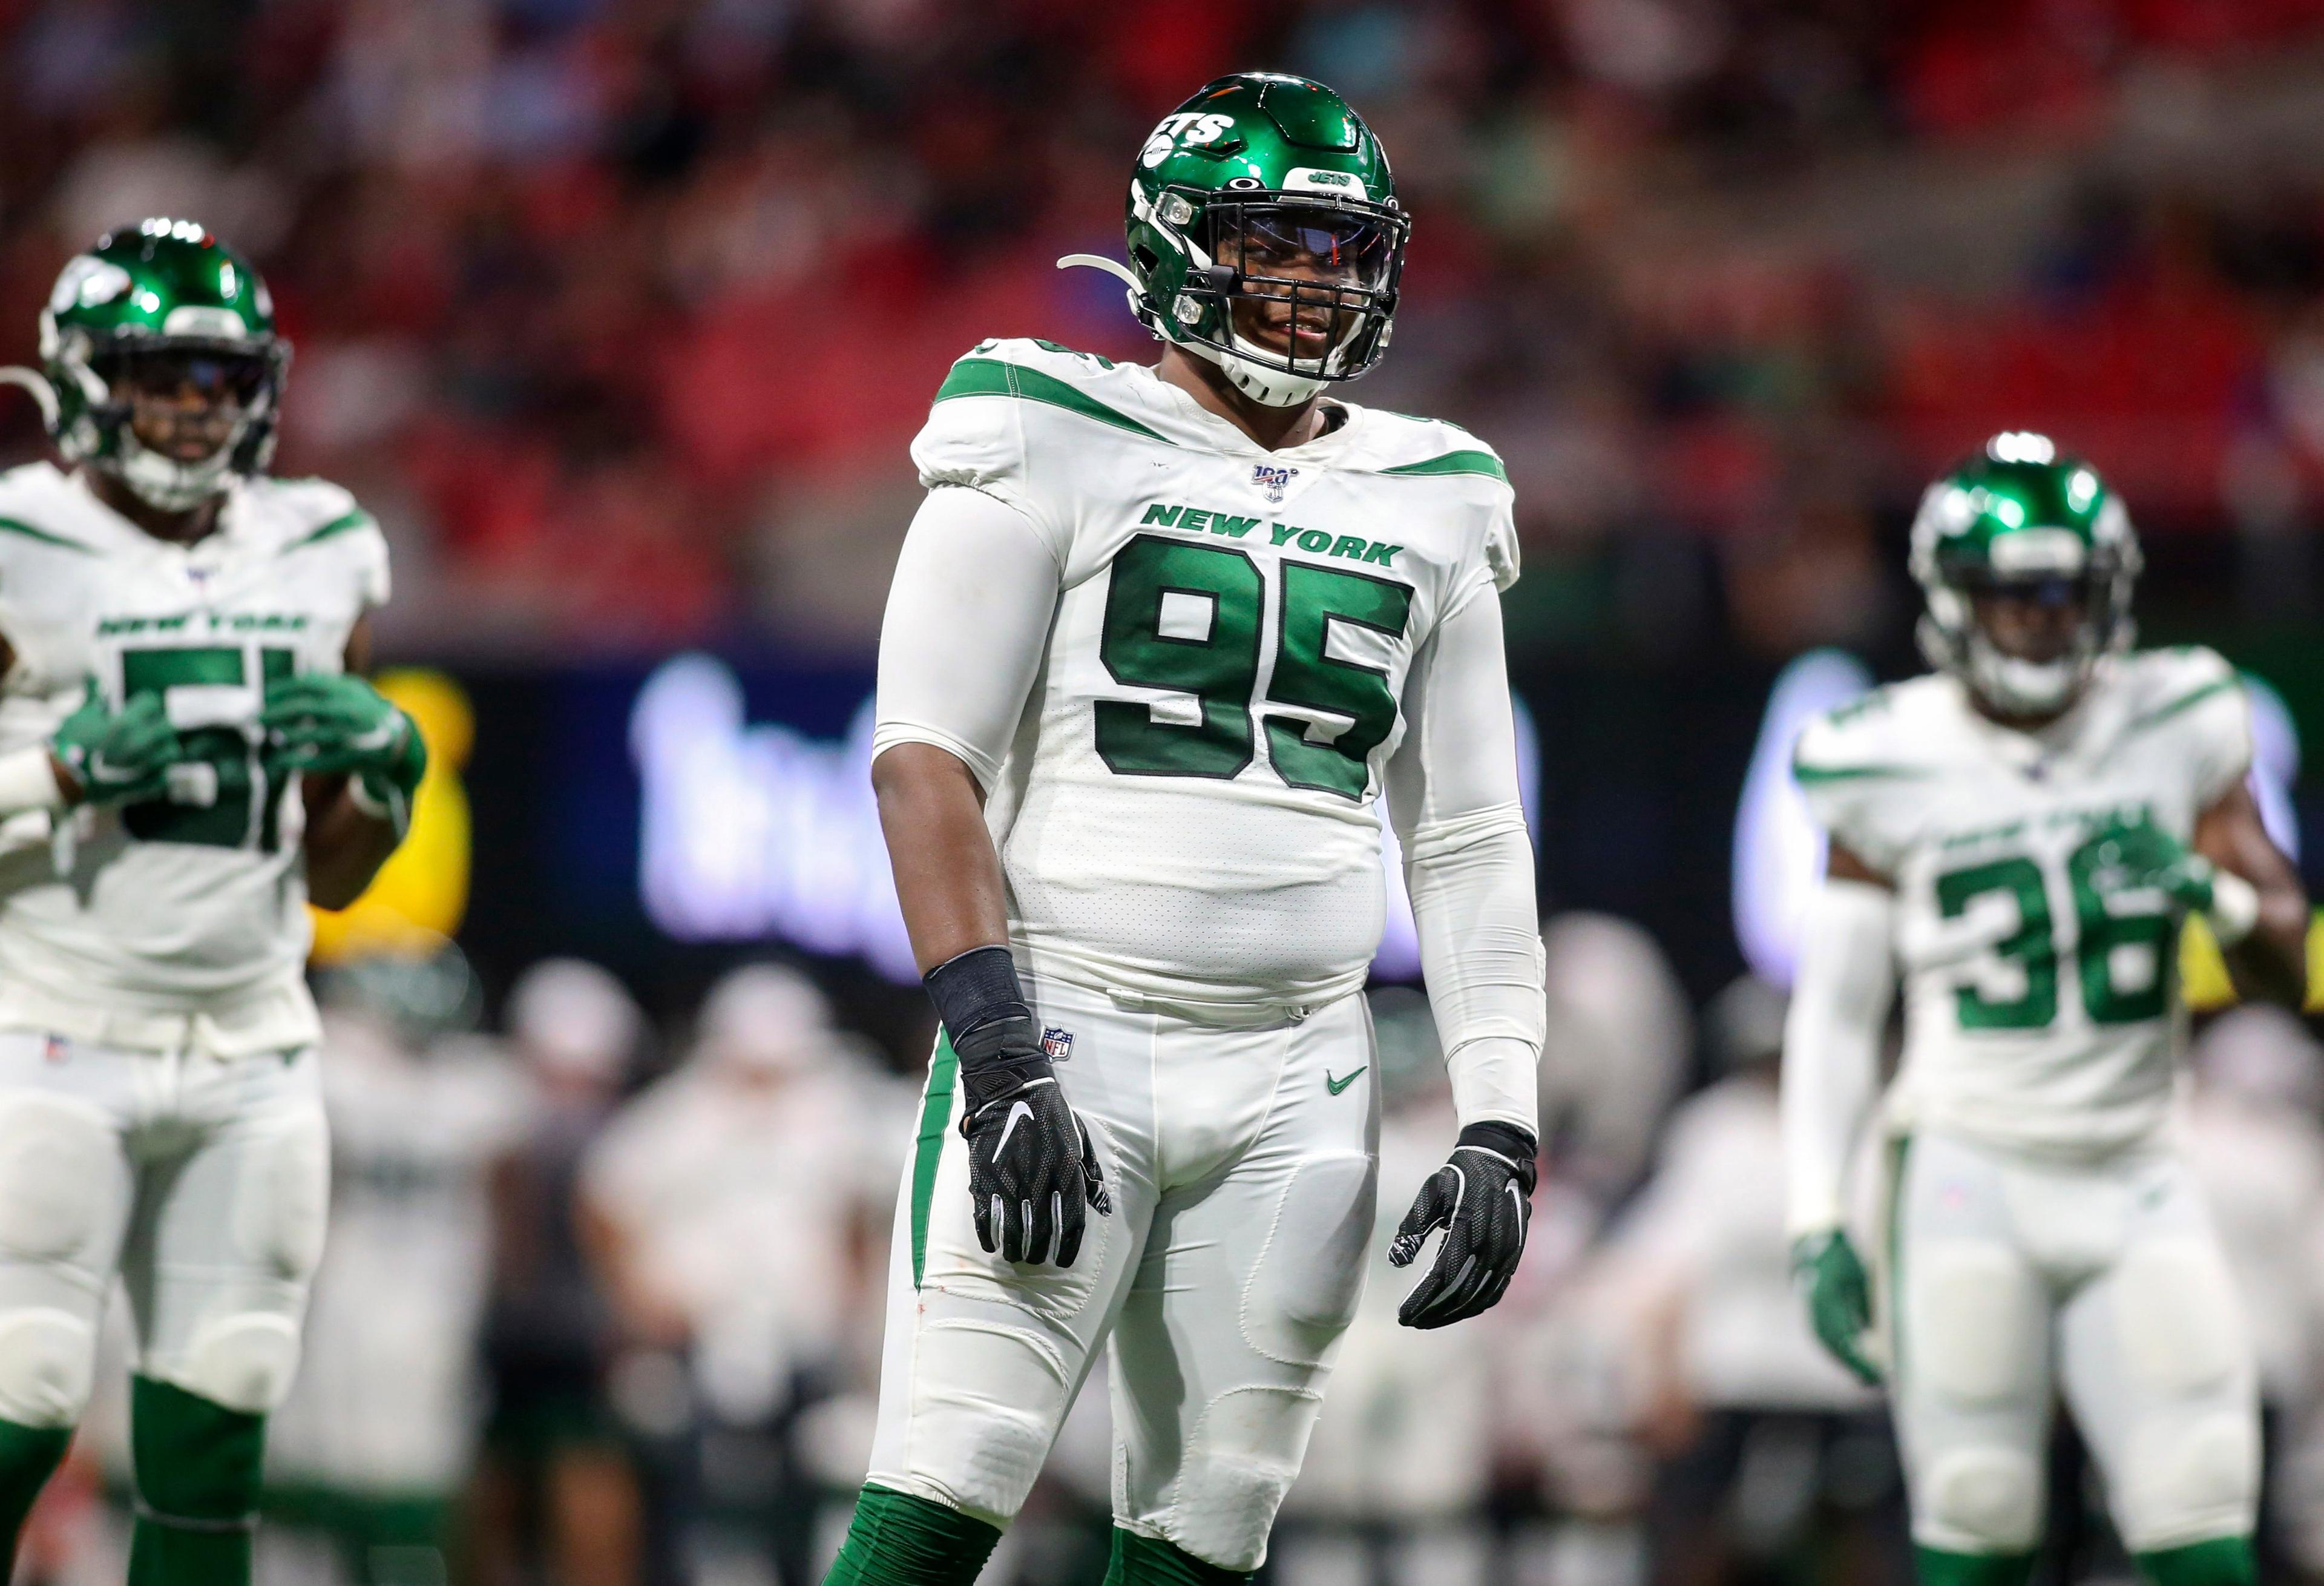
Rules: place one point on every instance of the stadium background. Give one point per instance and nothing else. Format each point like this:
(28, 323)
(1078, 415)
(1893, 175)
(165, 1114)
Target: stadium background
(620, 313)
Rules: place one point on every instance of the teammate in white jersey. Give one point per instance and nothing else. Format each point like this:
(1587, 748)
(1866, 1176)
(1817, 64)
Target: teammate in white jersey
(185, 758)
(2020, 835)
(1160, 640)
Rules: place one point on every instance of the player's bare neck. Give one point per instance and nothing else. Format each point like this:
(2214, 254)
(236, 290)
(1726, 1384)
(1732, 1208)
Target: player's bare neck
(1273, 428)
(178, 528)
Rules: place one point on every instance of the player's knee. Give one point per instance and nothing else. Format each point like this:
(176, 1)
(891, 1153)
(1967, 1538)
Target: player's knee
(987, 1398)
(2183, 1481)
(1985, 1500)
(1240, 1460)
(2177, 1319)
(279, 1226)
(55, 1160)
(244, 1362)
(46, 1359)
(1966, 1332)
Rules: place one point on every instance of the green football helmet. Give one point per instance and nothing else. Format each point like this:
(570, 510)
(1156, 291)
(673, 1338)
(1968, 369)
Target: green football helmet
(1265, 235)
(160, 305)
(2023, 518)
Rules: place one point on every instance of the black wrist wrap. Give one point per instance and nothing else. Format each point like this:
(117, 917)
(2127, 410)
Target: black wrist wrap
(988, 1021)
(1505, 1139)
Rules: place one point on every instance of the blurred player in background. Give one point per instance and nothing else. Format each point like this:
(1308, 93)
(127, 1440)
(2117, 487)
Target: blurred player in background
(189, 757)
(2025, 831)
(2253, 1139)
(377, 1439)
(729, 1207)
(555, 1490)
(1158, 640)
(1767, 1446)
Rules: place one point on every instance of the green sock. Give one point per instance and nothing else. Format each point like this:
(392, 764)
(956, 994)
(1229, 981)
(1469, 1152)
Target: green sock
(2222, 1561)
(198, 1482)
(1140, 1561)
(1936, 1567)
(898, 1540)
(29, 1456)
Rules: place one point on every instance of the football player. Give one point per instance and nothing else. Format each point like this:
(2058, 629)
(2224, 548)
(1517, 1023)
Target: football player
(2021, 835)
(186, 758)
(1160, 640)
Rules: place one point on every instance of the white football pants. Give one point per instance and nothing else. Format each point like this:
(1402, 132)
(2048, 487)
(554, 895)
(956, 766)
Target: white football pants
(2017, 1278)
(1242, 1166)
(203, 1181)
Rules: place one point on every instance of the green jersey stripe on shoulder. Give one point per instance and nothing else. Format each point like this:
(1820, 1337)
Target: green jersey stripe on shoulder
(2192, 697)
(17, 526)
(1461, 462)
(1849, 773)
(357, 519)
(992, 377)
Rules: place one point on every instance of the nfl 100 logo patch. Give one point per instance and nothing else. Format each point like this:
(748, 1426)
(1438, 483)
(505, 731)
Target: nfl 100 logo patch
(1057, 1045)
(1272, 479)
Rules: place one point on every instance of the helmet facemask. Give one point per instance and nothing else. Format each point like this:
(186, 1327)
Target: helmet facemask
(1300, 293)
(172, 419)
(2090, 587)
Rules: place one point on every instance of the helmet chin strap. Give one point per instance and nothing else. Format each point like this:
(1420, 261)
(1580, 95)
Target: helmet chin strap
(1270, 388)
(168, 486)
(2022, 687)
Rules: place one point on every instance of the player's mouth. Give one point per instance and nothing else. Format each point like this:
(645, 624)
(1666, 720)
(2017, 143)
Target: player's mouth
(1304, 331)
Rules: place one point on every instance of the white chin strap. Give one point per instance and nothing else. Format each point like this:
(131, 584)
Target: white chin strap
(1268, 387)
(2024, 687)
(168, 486)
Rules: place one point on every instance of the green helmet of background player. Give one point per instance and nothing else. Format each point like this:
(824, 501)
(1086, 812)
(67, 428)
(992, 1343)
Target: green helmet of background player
(2023, 519)
(162, 312)
(1265, 235)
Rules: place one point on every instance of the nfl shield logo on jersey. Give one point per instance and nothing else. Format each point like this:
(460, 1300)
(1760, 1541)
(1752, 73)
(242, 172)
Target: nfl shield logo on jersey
(1057, 1045)
(1272, 479)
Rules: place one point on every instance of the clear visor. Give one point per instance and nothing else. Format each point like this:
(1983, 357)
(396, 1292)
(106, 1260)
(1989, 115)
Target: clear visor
(1307, 243)
(2039, 620)
(185, 404)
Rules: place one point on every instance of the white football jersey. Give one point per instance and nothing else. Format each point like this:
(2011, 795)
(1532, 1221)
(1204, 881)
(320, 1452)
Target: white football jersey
(2041, 991)
(1190, 809)
(132, 921)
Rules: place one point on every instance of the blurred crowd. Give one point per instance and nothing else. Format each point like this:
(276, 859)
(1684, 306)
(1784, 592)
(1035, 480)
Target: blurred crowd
(620, 313)
(601, 1306)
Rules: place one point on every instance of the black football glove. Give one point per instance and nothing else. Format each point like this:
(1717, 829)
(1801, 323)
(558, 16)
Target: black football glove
(1483, 1201)
(1032, 1168)
(1033, 1171)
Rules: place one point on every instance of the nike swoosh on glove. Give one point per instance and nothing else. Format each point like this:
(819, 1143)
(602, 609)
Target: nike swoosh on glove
(1483, 1201)
(1033, 1171)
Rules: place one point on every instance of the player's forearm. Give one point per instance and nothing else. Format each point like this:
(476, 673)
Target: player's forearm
(1831, 1044)
(948, 877)
(346, 844)
(1472, 903)
(2258, 911)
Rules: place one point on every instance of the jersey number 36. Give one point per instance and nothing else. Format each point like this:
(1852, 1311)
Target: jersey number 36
(2095, 933)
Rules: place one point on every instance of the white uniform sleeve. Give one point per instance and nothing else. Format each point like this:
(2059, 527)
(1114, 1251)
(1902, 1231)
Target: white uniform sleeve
(1453, 795)
(1831, 1044)
(968, 615)
(2219, 736)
